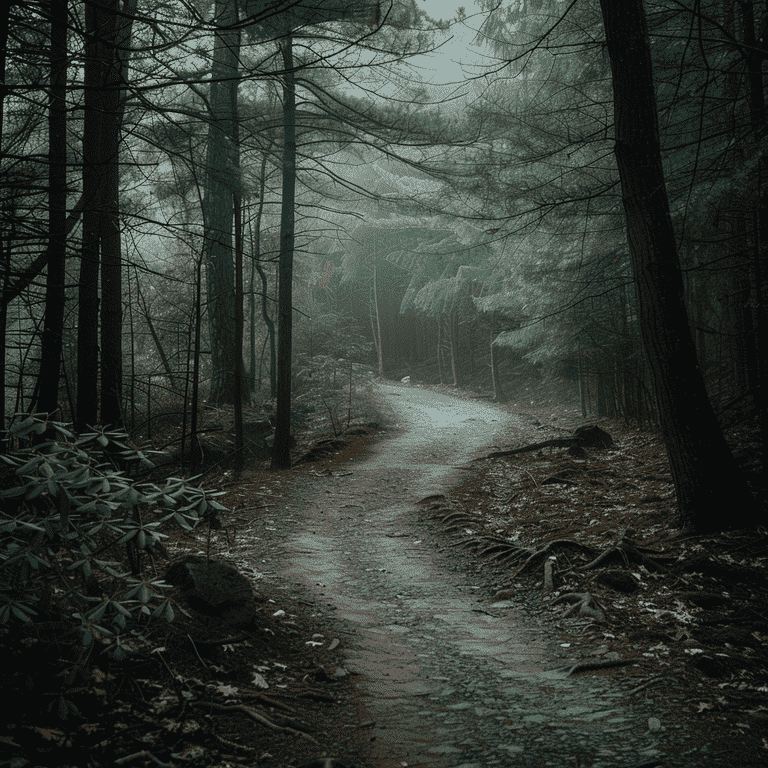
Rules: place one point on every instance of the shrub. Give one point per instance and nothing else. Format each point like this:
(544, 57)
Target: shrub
(70, 516)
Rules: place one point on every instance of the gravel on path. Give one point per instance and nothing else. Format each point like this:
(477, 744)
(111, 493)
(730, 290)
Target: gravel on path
(444, 677)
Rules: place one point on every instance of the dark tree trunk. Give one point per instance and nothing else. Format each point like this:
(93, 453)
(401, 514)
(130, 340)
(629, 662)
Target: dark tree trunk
(5, 255)
(194, 438)
(50, 365)
(755, 55)
(94, 78)
(111, 255)
(711, 494)
(5, 17)
(220, 186)
(256, 256)
(238, 212)
(270, 332)
(281, 451)
(156, 337)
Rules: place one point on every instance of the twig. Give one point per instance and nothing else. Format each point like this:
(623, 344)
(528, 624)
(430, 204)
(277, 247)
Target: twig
(254, 715)
(589, 666)
(145, 754)
(651, 681)
(270, 702)
(196, 652)
(234, 744)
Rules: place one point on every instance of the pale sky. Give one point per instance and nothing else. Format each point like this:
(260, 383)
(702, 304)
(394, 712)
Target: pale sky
(445, 65)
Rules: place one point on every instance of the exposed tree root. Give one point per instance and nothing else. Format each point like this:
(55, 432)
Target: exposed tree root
(587, 436)
(234, 745)
(558, 442)
(535, 559)
(628, 551)
(549, 575)
(589, 666)
(269, 702)
(500, 548)
(143, 755)
(257, 716)
(583, 604)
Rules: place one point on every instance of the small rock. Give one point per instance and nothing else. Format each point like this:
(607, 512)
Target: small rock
(340, 673)
(213, 587)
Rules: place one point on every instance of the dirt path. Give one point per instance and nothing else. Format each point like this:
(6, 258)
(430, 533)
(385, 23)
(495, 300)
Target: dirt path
(444, 676)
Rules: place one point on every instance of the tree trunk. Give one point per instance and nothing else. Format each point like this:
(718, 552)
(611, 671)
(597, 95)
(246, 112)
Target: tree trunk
(755, 55)
(5, 255)
(239, 370)
(499, 395)
(194, 439)
(51, 347)
(711, 494)
(256, 256)
(281, 451)
(377, 314)
(220, 185)
(156, 338)
(453, 324)
(94, 78)
(111, 254)
(439, 347)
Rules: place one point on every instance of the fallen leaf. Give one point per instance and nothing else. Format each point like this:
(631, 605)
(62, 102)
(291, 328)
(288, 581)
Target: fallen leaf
(49, 734)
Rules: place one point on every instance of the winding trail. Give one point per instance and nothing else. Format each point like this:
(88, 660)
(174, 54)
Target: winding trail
(445, 677)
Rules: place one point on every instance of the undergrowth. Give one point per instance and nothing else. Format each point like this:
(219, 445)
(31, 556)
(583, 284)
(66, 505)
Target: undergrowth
(78, 539)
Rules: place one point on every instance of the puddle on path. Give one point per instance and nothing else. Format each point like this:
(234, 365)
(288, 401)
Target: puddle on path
(449, 680)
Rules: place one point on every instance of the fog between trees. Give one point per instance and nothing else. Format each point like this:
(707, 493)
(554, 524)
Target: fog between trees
(211, 202)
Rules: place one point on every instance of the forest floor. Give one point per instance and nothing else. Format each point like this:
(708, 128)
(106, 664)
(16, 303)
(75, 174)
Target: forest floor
(420, 605)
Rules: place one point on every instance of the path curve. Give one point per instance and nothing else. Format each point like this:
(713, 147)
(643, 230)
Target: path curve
(445, 678)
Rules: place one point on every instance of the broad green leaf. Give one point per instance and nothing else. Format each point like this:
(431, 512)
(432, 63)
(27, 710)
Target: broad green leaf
(121, 609)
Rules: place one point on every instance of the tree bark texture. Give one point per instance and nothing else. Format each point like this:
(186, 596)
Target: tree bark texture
(499, 395)
(256, 256)
(239, 369)
(281, 451)
(53, 321)
(711, 494)
(377, 315)
(220, 186)
(97, 32)
(111, 252)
